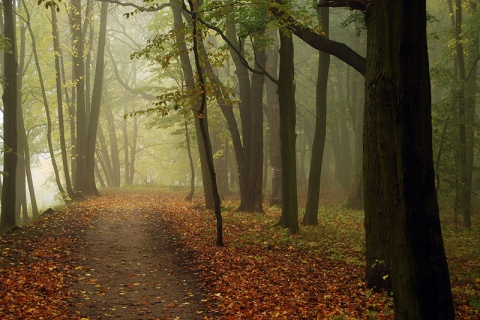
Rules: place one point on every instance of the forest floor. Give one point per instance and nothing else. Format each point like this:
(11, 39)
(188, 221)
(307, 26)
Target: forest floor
(152, 255)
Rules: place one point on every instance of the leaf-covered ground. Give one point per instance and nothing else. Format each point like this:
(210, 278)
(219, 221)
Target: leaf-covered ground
(152, 255)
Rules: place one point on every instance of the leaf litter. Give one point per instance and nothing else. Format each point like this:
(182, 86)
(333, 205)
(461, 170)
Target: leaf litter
(152, 255)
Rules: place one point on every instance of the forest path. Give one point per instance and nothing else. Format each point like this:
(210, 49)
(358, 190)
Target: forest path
(130, 267)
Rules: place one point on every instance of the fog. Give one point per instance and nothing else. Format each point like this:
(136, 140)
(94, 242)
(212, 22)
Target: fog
(148, 102)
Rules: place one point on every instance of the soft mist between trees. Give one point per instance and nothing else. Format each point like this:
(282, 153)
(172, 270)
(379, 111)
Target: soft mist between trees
(398, 169)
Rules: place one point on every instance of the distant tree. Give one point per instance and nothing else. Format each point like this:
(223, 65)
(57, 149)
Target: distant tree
(96, 101)
(464, 96)
(311, 208)
(355, 195)
(59, 91)
(46, 105)
(273, 120)
(190, 86)
(78, 60)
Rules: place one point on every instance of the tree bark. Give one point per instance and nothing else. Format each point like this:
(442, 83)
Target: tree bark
(9, 97)
(286, 97)
(318, 145)
(81, 180)
(96, 103)
(398, 139)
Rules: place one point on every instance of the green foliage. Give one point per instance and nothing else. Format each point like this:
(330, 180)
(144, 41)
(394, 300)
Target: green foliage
(356, 19)
(449, 94)
(50, 3)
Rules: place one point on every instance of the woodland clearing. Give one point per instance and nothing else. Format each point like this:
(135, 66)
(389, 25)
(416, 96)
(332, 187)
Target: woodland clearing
(149, 254)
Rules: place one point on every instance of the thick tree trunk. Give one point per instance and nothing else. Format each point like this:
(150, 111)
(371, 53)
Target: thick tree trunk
(398, 138)
(286, 97)
(9, 121)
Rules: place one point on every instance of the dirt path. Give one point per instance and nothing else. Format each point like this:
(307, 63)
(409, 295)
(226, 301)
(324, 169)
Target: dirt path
(131, 266)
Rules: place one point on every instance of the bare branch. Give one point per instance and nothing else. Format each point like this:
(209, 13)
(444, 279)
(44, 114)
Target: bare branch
(337, 49)
(152, 8)
(144, 95)
(352, 5)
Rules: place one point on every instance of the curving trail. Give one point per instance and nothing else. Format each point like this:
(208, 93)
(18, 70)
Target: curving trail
(130, 267)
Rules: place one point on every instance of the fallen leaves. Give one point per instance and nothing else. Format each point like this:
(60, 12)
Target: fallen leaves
(34, 283)
(264, 272)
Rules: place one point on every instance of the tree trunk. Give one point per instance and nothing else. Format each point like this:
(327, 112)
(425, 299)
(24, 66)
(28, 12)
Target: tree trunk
(254, 198)
(21, 210)
(114, 153)
(47, 110)
(273, 120)
(355, 196)
(133, 151)
(81, 180)
(190, 85)
(243, 78)
(203, 125)
(126, 148)
(9, 121)
(398, 137)
(96, 103)
(227, 109)
(286, 97)
(466, 112)
(189, 197)
(103, 154)
(59, 89)
(318, 145)
(302, 155)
